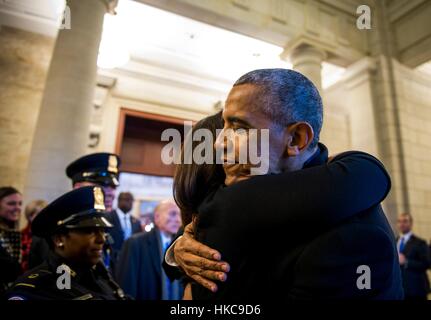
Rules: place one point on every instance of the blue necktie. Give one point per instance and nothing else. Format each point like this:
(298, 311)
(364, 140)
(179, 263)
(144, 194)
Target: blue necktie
(168, 283)
(402, 244)
(127, 227)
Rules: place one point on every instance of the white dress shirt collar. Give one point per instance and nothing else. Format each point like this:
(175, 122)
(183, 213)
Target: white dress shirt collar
(406, 236)
(165, 239)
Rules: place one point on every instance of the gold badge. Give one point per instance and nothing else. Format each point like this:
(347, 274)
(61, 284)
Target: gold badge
(98, 199)
(113, 164)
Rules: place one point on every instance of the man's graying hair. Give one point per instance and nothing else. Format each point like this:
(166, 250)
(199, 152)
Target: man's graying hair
(287, 97)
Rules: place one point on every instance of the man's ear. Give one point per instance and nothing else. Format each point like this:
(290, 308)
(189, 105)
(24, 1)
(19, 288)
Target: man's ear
(299, 135)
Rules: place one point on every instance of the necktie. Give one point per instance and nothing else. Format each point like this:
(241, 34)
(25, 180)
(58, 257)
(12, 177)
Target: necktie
(402, 244)
(127, 227)
(166, 246)
(168, 283)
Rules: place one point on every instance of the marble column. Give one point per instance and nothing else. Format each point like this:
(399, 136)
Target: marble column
(63, 125)
(24, 63)
(358, 86)
(308, 60)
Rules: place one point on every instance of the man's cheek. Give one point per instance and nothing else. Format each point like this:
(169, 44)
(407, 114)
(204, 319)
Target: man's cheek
(241, 147)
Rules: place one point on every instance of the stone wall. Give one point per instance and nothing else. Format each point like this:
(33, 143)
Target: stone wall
(24, 62)
(415, 117)
(335, 132)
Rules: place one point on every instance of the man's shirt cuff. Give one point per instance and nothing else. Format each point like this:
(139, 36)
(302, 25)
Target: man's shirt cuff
(170, 256)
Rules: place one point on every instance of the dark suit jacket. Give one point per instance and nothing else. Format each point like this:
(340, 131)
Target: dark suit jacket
(117, 233)
(139, 268)
(330, 266)
(175, 273)
(415, 279)
(303, 234)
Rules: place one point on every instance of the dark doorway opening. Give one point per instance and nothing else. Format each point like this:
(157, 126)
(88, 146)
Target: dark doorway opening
(140, 144)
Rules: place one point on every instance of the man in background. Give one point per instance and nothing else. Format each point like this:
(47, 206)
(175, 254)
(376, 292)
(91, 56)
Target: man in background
(139, 269)
(124, 224)
(414, 258)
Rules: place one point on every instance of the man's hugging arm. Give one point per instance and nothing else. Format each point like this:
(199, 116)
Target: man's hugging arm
(323, 195)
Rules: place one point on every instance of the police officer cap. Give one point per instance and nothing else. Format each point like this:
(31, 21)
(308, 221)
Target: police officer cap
(80, 208)
(100, 168)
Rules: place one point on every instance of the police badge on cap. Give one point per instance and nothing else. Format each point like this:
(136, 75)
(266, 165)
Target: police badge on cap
(99, 168)
(77, 209)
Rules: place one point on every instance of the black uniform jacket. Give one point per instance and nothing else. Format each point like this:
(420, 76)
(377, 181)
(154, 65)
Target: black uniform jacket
(47, 282)
(307, 234)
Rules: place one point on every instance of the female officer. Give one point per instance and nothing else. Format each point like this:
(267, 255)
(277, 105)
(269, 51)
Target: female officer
(74, 226)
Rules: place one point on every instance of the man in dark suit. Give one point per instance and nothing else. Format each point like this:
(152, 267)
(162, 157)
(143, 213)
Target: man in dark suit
(414, 258)
(139, 269)
(124, 224)
(326, 265)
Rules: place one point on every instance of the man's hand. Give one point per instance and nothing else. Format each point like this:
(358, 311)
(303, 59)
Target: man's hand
(199, 262)
(402, 259)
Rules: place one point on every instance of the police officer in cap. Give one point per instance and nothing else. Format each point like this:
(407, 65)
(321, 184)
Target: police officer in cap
(74, 226)
(101, 169)
(96, 169)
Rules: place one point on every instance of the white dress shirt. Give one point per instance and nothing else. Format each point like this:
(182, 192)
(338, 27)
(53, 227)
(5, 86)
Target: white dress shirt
(169, 254)
(166, 240)
(406, 238)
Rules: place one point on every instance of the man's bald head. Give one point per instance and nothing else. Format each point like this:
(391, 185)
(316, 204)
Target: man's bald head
(167, 217)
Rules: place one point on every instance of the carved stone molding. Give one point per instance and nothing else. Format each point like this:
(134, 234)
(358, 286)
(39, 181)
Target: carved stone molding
(110, 5)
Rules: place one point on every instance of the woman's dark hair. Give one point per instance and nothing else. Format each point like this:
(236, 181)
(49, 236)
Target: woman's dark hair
(7, 191)
(192, 182)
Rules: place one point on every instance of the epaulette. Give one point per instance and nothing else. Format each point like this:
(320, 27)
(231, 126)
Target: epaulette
(32, 279)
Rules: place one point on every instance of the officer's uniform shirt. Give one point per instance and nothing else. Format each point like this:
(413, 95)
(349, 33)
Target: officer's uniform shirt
(44, 283)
